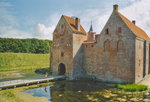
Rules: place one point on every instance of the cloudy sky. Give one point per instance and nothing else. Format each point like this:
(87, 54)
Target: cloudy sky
(38, 18)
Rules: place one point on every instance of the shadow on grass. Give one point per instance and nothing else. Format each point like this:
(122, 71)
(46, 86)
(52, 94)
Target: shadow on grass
(24, 74)
(43, 71)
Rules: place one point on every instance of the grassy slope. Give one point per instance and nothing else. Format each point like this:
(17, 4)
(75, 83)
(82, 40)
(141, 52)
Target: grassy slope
(16, 61)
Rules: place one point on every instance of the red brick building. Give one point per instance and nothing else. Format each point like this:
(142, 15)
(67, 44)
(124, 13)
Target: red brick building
(120, 53)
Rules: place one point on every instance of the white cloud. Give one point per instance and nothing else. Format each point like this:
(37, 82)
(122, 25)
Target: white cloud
(10, 32)
(44, 32)
(8, 23)
(139, 11)
(94, 15)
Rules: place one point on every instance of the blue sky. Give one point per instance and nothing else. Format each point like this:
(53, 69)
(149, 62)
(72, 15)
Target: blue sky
(38, 18)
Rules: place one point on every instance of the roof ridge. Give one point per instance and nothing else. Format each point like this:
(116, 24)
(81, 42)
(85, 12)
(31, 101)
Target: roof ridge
(67, 21)
(134, 28)
(71, 22)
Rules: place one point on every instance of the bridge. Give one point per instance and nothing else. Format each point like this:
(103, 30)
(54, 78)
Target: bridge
(24, 82)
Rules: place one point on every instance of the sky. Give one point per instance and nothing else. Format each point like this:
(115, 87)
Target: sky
(38, 18)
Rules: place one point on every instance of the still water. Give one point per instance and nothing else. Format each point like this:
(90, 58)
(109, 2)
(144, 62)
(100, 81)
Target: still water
(84, 91)
(41, 92)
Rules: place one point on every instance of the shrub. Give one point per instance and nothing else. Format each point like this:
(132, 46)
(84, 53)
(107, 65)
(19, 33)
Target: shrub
(132, 87)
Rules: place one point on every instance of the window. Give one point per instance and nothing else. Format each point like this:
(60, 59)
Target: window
(107, 31)
(107, 45)
(62, 54)
(139, 62)
(62, 40)
(92, 36)
(119, 30)
(120, 45)
(62, 26)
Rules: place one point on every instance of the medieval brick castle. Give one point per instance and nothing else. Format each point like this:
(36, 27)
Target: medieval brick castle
(120, 53)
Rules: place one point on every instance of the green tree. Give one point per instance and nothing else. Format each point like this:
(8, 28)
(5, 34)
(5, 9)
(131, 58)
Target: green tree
(24, 45)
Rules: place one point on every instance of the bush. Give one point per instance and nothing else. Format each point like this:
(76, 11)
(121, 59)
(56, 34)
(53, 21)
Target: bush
(132, 87)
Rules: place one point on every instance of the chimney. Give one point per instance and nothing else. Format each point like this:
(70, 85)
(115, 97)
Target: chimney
(77, 21)
(115, 8)
(133, 21)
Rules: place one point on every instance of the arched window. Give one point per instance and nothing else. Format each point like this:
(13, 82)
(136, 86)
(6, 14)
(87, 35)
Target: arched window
(120, 45)
(106, 45)
(62, 26)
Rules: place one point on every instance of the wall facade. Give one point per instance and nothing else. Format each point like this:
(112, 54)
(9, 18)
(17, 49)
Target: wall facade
(62, 48)
(142, 59)
(78, 55)
(116, 55)
(146, 57)
(139, 60)
(113, 56)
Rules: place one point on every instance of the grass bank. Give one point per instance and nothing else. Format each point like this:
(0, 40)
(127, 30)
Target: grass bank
(19, 61)
(132, 87)
(24, 74)
(17, 94)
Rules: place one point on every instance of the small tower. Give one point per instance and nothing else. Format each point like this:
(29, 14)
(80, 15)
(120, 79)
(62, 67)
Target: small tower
(91, 29)
(91, 34)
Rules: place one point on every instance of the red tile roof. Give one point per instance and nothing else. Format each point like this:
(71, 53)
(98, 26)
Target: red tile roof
(72, 23)
(135, 29)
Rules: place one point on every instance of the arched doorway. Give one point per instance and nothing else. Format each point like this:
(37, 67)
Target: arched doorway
(61, 69)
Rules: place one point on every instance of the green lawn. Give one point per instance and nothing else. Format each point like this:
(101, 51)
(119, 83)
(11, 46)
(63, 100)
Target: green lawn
(19, 61)
(23, 65)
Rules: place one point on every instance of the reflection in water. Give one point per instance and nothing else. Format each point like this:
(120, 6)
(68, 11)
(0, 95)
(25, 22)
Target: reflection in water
(45, 89)
(84, 91)
(76, 91)
(41, 92)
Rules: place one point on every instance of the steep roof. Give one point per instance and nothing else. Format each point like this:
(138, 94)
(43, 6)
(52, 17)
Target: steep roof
(91, 29)
(135, 29)
(72, 23)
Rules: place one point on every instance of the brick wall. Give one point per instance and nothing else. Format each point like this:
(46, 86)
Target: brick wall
(62, 45)
(113, 56)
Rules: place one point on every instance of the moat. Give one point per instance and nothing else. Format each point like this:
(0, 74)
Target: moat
(85, 91)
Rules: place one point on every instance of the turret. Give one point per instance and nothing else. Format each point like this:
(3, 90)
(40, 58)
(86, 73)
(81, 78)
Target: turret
(91, 34)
